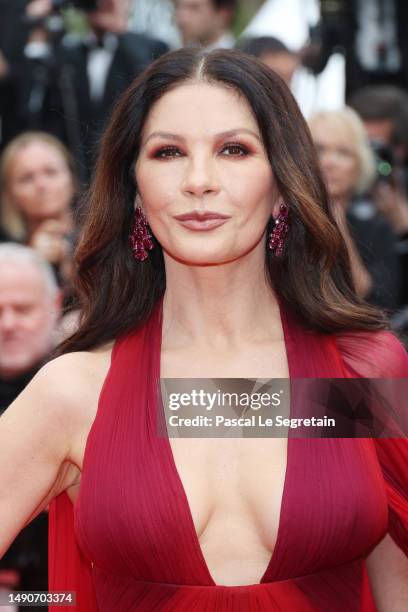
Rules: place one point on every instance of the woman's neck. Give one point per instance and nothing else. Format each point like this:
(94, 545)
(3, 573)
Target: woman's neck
(222, 306)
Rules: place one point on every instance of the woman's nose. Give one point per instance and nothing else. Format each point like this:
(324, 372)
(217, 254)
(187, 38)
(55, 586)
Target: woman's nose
(328, 161)
(41, 182)
(200, 177)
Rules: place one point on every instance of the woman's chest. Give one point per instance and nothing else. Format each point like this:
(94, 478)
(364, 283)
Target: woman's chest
(313, 503)
(254, 360)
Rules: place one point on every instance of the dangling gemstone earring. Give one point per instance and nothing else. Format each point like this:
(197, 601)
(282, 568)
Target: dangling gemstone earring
(278, 234)
(140, 238)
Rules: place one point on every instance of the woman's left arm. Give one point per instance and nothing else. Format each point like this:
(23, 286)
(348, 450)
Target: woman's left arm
(382, 356)
(387, 567)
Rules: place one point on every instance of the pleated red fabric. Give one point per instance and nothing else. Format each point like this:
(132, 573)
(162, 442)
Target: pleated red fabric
(130, 542)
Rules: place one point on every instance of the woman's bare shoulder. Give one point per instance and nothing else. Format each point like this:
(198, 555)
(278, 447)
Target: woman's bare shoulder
(40, 431)
(79, 361)
(66, 389)
(76, 375)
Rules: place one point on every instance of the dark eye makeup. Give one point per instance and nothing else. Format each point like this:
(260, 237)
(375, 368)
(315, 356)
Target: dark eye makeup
(238, 150)
(231, 149)
(166, 152)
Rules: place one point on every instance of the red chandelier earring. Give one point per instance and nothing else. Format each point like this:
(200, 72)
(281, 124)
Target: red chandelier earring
(278, 234)
(140, 238)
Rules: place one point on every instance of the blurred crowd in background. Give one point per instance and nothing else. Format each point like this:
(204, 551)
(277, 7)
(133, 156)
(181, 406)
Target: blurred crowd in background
(63, 63)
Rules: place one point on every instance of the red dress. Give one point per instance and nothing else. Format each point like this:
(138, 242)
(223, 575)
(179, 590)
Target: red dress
(138, 549)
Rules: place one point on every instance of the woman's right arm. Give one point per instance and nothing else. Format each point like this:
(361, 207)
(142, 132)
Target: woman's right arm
(36, 433)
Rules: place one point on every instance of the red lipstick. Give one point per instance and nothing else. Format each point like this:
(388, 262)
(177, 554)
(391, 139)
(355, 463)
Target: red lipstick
(201, 221)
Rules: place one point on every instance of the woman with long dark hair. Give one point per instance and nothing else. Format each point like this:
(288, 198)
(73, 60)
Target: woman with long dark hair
(208, 251)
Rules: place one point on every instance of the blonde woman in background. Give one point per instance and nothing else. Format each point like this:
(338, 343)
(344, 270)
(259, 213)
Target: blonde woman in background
(37, 188)
(349, 169)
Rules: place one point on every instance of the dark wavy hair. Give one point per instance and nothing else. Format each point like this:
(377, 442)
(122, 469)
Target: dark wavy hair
(313, 278)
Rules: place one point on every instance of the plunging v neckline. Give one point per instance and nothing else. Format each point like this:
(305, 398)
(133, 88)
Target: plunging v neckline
(182, 491)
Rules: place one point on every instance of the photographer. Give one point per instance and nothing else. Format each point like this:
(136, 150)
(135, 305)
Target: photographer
(76, 81)
(373, 35)
(384, 110)
(13, 36)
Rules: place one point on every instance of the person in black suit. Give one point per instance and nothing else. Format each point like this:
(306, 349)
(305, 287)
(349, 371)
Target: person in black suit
(87, 76)
(13, 36)
(373, 34)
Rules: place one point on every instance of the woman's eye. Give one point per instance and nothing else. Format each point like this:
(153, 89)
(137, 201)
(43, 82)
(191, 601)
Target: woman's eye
(344, 152)
(230, 150)
(167, 152)
(26, 178)
(50, 171)
(235, 150)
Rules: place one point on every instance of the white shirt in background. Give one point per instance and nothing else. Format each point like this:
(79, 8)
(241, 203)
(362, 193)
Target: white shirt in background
(377, 28)
(98, 65)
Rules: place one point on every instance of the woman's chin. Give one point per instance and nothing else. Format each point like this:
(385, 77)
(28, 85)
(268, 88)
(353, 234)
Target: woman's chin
(44, 213)
(201, 259)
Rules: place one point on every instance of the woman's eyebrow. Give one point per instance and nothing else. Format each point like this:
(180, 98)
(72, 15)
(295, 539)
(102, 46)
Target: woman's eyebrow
(179, 138)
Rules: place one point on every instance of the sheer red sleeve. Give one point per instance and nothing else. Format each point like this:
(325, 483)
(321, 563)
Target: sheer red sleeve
(68, 569)
(373, 354)
(381, 355)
